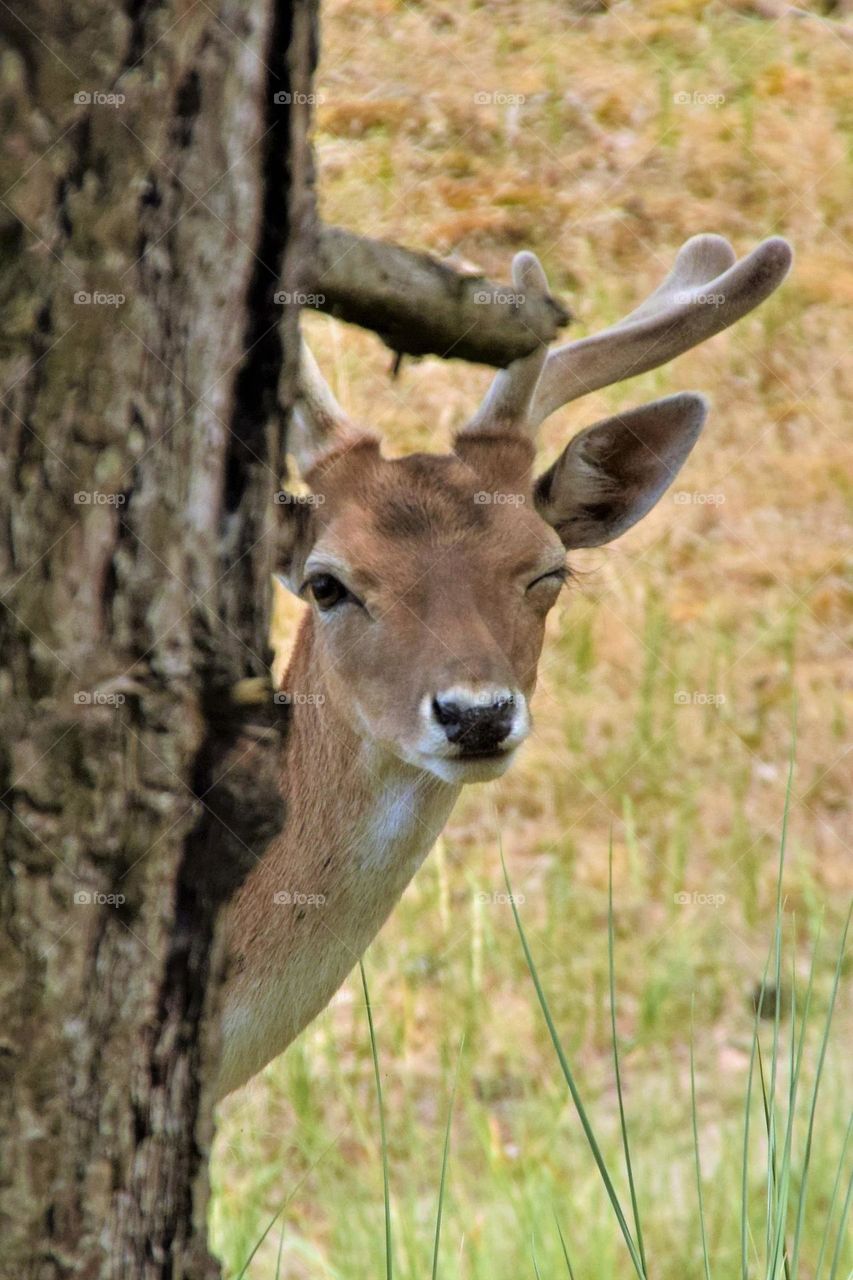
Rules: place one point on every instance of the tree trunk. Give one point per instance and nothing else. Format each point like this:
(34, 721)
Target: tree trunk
(156, 195)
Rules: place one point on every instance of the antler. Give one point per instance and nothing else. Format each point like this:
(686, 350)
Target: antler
(706, 291)
(509, 398)
(319, 421)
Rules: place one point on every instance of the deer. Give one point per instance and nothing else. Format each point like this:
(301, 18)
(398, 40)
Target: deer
(414, 667)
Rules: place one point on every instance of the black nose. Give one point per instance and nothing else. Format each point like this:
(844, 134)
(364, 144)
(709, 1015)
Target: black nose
(477, 730)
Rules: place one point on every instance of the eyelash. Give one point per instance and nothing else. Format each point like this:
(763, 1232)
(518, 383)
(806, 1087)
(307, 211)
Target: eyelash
(562, 575)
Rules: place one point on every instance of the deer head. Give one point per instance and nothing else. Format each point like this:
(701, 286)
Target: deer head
(431, 576)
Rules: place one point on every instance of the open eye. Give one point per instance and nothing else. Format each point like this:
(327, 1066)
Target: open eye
(328, 591)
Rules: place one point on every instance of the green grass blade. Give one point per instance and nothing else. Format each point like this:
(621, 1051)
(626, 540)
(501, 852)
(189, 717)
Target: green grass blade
(831, 1210)
(801, 1201)
(773, 1178)
(797, 1050)
(389, 1260)
(770, 1108)
(622, 1124)
(744, 1185)
(704, 1235)
(280, 1210)
(570, 1081)
(770, 1103)
(782, 1177)
(780, 1242)
(836, 1255)
(801, 1206)
(444, 1159)
(564, 1248)
(280, 1251)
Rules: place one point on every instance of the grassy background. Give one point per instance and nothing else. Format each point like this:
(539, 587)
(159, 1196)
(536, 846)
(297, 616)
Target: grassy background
(637, 127)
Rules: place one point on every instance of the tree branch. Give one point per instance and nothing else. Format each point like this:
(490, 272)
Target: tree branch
(421, 306)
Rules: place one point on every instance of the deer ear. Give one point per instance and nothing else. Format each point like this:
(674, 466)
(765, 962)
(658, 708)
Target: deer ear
(613, 473)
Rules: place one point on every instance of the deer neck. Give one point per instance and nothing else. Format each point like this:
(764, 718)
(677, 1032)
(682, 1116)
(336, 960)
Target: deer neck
(358, 825)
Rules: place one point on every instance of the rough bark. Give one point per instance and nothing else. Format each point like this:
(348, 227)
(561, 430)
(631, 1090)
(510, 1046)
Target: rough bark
(421, 306)
(140, 439)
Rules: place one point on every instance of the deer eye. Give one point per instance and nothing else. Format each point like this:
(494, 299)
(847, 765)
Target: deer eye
(328, 591)
(554, 577)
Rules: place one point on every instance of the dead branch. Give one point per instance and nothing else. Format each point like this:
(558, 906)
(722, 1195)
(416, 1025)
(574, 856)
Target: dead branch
(421, 306)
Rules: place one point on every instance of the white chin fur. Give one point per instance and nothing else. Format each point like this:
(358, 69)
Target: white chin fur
(457, 770)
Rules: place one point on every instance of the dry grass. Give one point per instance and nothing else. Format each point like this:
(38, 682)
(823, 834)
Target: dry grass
(603, 172)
